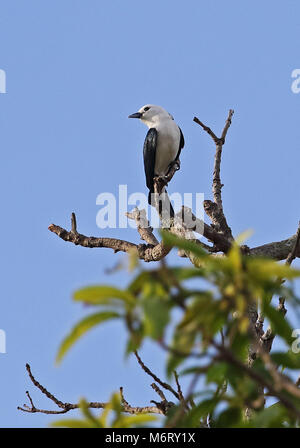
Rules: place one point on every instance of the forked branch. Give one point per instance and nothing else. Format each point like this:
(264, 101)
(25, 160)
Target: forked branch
(161, 407)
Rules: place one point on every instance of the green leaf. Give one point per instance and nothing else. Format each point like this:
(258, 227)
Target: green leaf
(93, 421)
(288, 360)
(134, 340)
(195, 369)
(278, 322)
(217, 373)
(81, 328)
(156, 316)
(137, 284)
(183, 342)
(230, 418)
(272, 417)
(182, 274)
(235, 258)
(202, 410)
(244, 236)
(71, 423)
(265, 269)
(181, 243)
(103, 295)
(134, 421)
(240, 345)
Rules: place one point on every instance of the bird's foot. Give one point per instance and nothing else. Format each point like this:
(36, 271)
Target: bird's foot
(160, 182)
(174, 166)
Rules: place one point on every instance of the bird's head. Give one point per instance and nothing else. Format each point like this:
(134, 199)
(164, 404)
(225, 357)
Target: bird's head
(151, 115)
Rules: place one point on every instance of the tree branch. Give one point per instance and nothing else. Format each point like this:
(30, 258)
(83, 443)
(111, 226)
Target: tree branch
(278, 250)
(144, 252)
(158, 380)
(293, 254)
(143, 226)
(160, 408)
(215, 209)
(228, 356)
(268, 336)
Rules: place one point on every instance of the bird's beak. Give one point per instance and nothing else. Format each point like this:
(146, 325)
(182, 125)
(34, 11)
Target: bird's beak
(136, 115)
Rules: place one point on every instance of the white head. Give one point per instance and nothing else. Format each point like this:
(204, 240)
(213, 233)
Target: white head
(151, 115)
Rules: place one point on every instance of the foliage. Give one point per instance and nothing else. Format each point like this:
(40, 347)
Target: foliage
(212, 332)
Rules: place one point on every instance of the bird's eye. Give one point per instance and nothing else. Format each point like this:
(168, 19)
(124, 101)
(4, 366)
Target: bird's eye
(146, 108)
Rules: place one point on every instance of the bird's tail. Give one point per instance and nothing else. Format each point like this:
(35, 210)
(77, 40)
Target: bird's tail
(164, 205)
(150, 197)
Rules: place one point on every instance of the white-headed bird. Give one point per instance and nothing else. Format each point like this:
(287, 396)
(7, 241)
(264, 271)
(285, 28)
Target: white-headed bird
(163, 142)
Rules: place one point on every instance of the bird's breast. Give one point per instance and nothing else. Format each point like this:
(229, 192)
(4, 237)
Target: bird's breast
(168, 139)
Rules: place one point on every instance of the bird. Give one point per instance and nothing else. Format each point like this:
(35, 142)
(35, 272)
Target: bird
(163, 143)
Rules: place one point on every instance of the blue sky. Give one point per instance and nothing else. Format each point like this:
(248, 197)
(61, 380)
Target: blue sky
(75, 70)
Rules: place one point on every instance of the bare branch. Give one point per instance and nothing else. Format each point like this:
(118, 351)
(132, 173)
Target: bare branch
(215, 209)
(293, 254)
(207, 129)
(221, 242)
(156, 378)
(179, 390)
(144, 252)
(159, 391)
(143, 226)
(66, 407)
(139, 410)
(164, 405)
(278, 250)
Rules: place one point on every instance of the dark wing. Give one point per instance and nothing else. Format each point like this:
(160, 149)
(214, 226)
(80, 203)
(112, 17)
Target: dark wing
(149, 157)
(181, 143)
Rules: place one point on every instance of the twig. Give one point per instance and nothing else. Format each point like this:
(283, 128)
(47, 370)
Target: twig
(179, 390)
(73, 223)
(140, 410)
(66, 407)
(164, 405)
(156, 378)
(159, 391)
(183, 405)
(207, 129)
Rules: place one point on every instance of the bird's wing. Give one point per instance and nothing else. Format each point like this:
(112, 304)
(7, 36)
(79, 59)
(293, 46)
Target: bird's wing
(149, 156)
(181, 143)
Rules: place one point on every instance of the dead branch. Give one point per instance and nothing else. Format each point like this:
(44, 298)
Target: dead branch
(293, 254)
(160, 408)
(278, 250)
(140, 410)
(215, 209)
(155, 377)
(179, 390)
(145, 252)
(143, 226)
